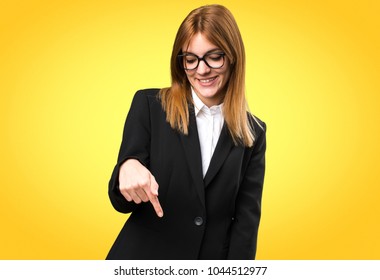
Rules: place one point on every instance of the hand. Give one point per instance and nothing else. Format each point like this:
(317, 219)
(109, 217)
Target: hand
(137, 184)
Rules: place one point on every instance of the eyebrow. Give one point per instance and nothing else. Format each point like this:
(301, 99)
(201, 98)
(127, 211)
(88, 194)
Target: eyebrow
(216, 50)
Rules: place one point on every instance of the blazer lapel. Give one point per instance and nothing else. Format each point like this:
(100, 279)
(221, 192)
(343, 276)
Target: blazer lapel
(192, 149)
(222, 149)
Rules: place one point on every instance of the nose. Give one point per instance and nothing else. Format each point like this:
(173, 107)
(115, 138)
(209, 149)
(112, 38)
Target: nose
(203, 68)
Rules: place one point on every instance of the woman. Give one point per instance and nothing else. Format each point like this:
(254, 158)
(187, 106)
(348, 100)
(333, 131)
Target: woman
(191, 163)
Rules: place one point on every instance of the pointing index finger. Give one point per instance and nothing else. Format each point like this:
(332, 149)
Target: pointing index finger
(157, 206)
(153, 197)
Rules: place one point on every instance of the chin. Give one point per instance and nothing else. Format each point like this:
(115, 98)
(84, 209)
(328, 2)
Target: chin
(208, 93)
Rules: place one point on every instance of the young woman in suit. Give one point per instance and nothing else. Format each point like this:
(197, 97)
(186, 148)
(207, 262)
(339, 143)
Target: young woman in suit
(191, 164)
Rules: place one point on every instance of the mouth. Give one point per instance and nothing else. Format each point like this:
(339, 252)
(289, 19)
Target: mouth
(207, 81)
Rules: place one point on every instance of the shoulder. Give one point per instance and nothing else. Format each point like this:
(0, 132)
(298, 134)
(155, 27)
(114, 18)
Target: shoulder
(149, 92)
(146, 96)
(259, 129)
(257, 124)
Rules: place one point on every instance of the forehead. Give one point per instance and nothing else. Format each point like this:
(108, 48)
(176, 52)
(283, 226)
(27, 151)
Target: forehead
(199, 45)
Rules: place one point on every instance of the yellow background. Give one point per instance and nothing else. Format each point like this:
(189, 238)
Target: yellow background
(68, 70)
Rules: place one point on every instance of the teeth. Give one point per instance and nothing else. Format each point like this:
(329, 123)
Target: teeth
(208, 80)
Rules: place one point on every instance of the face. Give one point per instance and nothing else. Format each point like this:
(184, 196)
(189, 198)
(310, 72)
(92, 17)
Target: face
(208, 83)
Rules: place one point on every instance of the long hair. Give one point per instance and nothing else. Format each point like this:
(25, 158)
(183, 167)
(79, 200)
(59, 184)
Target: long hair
(218, 25)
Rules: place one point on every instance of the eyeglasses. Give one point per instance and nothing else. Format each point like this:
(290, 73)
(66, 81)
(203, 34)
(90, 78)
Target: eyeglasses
(191, 61)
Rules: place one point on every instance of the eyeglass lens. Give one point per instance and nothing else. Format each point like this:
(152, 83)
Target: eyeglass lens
(212, 60)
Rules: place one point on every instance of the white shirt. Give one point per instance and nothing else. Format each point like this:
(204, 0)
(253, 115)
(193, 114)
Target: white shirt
(209, 123)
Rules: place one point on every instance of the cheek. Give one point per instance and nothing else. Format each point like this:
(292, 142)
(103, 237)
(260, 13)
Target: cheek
(226, 76)
(189, 76)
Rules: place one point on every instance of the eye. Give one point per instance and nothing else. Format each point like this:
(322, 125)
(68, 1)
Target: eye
(215, 57)
(190, 59)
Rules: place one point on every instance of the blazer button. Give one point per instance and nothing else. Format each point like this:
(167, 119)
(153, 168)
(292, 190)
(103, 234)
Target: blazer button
(198, 221)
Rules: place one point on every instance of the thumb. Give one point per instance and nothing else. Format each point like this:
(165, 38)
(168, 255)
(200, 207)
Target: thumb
(153, 185)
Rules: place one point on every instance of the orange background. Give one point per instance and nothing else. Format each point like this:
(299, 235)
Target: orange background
(68, 71)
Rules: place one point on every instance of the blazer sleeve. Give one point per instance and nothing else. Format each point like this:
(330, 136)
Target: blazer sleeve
(135, 144)
(245, 225)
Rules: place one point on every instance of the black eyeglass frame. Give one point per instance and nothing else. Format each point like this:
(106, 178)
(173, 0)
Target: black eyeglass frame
(203, 58)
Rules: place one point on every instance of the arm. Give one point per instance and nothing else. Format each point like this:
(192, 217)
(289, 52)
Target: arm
(248, 203)
(131, 182)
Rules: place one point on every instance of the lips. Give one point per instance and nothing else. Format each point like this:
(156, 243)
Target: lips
(207, 81)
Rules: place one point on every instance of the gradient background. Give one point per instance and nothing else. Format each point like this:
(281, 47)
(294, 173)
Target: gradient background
(68, 71)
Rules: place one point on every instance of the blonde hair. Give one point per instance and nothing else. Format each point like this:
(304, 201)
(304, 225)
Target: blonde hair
(218, 25)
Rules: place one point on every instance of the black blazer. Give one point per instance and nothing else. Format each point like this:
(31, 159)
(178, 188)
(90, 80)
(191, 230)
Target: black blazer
(215, 217)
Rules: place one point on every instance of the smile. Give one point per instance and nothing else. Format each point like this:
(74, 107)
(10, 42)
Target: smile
(207, 80)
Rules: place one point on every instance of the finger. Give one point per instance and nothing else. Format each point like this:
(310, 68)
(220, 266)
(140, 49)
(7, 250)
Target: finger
(124, 192)
(136, 199)
(127, 196)
(142, 195)
(153, 197)
(156, 205)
